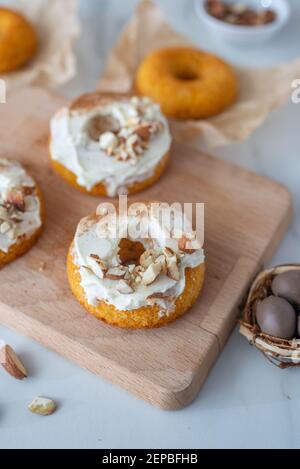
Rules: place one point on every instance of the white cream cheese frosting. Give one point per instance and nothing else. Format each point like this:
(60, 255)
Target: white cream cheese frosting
(119, 157)
(97, 256)
(19, 204)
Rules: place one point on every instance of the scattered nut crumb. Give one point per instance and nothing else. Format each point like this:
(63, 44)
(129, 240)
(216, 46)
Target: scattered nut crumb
(42, 266)
(42, 406)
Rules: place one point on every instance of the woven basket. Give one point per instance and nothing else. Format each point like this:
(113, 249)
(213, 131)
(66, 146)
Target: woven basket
(282, 353)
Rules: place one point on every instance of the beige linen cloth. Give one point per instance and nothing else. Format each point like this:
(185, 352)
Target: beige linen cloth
(261, 90)
(57, 25)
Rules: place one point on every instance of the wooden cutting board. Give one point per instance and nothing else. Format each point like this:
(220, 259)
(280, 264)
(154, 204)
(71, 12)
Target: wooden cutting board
(246, 216)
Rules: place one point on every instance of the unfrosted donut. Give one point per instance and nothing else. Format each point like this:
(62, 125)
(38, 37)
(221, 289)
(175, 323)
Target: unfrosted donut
(18, 40)
(187, 83)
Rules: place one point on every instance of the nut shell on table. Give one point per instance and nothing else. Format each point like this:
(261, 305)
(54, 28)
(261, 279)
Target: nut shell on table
(11, 363)
(282, 352)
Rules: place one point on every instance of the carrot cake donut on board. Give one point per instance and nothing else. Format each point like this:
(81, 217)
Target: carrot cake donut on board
(134, 282)
(21, 211)
(109, 144)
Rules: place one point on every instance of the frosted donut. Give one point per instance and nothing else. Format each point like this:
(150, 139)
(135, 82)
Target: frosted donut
(108, 144)
(188, 83)
(21, 211)
(133, 282)
(18, 40)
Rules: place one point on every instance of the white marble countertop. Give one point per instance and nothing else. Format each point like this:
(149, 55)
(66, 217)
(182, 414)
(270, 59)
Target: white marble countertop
(245, 402)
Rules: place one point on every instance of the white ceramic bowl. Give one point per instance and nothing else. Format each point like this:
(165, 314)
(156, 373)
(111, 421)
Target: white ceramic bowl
(246, 35)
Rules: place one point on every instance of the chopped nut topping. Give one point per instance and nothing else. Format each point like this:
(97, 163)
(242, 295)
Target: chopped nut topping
(144, 132)
(172, 268)
(11, 234)
(146, 258)
(13, 204)
(116, 273)
(132, 140)
(27, 190)
(97, 265)
(151, 264)
(30, 204)
(187, 244)
(168, 252)
(124, 287)
(108, 141)
(151, 274)
(5, 227)
(16, 198)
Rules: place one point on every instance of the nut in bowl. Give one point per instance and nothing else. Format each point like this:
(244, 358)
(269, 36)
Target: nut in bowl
(245, 22)
(270, 319)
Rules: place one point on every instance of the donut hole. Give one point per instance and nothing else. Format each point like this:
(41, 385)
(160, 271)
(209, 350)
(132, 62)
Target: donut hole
(186, 74)
(130, 251)
(98, 125)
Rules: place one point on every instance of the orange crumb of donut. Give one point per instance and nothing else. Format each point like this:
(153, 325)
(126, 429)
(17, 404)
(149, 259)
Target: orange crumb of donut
(99, 190)
(25, 243)
(18, 40)
(188, 83)
(145, 317)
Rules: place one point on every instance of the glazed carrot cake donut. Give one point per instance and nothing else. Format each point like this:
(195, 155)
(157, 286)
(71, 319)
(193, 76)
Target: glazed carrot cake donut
(188, 83)
(109, 144)
(18, 40)
(21, 211)
(133, 282)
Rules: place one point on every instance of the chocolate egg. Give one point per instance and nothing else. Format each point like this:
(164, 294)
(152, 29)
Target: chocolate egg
(276, 317)
(287, 285)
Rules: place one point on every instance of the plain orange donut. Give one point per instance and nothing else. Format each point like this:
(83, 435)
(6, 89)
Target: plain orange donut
(187, 83)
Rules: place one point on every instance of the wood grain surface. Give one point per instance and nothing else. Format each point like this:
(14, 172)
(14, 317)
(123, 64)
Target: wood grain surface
(246, 216)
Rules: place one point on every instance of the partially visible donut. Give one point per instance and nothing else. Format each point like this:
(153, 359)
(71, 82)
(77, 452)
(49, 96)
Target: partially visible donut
(18, 40)
(134, 282)
(110, 144)
(187, 83)
(21, 211)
